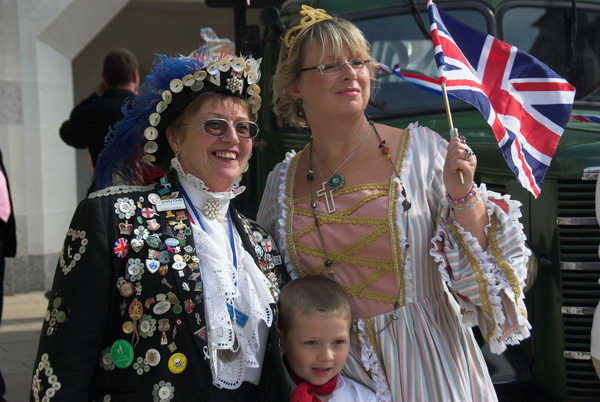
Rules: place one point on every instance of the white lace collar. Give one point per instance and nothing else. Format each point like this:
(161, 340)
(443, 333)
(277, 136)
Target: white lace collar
(198, 184)
(212, 205)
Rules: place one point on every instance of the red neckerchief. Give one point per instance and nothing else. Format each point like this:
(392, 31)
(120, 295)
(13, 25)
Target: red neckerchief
(306, 392)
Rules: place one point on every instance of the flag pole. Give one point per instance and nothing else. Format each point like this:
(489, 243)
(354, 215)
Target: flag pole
(453, 131)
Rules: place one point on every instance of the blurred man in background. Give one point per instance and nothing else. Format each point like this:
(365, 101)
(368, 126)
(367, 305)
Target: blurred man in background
(90, 120)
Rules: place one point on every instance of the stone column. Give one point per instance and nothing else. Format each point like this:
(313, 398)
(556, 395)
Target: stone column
(40, 39)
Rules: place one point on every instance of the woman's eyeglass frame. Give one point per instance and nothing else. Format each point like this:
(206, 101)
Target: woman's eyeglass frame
(229, 125)
(331, 69)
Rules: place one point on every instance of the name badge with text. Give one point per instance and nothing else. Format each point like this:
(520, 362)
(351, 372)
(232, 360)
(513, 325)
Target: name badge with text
(170, 204)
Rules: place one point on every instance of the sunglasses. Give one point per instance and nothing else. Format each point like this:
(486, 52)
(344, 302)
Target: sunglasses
(245, 130)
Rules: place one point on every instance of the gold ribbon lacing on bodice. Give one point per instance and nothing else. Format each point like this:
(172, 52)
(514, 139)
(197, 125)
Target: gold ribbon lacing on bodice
(381, 226)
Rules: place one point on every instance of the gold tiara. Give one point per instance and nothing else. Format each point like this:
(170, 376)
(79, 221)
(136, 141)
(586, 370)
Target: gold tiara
(310, 17)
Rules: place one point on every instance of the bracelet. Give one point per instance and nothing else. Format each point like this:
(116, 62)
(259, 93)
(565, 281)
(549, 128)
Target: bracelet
(467, 201)
(468, 204)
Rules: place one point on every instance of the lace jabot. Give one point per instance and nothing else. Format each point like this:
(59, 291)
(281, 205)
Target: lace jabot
(211, 204)
(235, 352)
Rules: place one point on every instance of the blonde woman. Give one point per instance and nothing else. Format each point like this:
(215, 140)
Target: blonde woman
(382, 211)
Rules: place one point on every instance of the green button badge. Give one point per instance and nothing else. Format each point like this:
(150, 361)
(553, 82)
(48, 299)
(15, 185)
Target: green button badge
(122, 353)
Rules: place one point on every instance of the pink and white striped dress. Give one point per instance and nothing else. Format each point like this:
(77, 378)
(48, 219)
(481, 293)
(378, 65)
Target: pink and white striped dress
(417, 281)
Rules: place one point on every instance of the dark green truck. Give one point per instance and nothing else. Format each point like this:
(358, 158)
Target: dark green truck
(561, 224)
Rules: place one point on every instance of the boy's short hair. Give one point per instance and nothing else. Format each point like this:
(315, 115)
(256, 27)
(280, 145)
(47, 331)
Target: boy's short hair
(311, 294)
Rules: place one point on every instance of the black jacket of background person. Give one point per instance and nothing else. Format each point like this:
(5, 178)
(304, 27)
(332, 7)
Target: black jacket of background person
(8, 233)
(92, 309)
(90, 120)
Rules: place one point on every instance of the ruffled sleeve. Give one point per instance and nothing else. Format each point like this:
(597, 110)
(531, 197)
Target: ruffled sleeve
(273, 207)
(488, 284)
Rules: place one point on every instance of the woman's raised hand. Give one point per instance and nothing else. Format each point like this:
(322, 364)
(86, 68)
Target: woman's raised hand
(460, 158)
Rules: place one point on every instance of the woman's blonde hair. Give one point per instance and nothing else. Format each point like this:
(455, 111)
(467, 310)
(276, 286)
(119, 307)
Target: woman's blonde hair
(337, 34)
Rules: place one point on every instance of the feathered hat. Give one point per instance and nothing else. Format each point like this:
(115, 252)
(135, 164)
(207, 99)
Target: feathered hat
(137, 144)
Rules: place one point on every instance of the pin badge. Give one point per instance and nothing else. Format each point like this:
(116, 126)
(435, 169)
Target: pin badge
(126, 289)
(153, 241)
(121, 247)
(121, 352)
(172, 242)
(153, 198)
(136, 309)
(170, 204)
(125, 228)
(148, 212)
(161, 307)
(152, 265)
(152, 357)
(163, 325)
(177, 363)
(127, 327)
(164, 257)
(153, 224)
(137, 245)
(179, 265)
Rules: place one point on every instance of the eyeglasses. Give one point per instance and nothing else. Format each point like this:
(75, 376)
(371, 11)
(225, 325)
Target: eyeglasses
(357, 65)
(245, 130)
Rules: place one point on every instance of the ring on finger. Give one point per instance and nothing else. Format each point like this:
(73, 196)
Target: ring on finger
(468, 154)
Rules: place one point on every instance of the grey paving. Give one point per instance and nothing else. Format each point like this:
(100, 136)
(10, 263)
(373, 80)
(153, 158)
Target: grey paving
(19, 334)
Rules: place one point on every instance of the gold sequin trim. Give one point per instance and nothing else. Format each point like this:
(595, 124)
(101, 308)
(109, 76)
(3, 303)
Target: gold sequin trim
(398, 256)
(370, 327)
(339, 218)
(348, 190)
(380, 229)
(384, 266)
(501, 262)
(481, 282)
(289, 201)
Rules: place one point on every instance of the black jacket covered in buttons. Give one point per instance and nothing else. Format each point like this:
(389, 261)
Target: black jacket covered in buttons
(94, 296)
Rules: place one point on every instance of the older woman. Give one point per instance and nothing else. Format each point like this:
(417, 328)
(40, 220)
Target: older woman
(382, 211)
(163, 291)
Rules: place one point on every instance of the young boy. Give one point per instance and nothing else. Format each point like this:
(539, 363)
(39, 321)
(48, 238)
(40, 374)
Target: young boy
(314, 326)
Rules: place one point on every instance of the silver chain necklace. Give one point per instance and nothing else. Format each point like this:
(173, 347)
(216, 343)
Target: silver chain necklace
(336, 180)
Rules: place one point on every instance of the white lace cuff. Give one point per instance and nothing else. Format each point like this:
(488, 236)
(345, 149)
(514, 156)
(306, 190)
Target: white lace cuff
(487, 284)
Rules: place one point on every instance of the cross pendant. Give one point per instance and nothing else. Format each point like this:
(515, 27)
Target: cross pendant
(328, 194)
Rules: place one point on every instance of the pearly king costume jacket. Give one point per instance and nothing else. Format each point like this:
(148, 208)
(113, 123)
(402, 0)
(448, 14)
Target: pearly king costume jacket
(126, 319)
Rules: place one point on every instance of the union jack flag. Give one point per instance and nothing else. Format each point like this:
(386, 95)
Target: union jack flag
(523, 100)
(121, 247)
